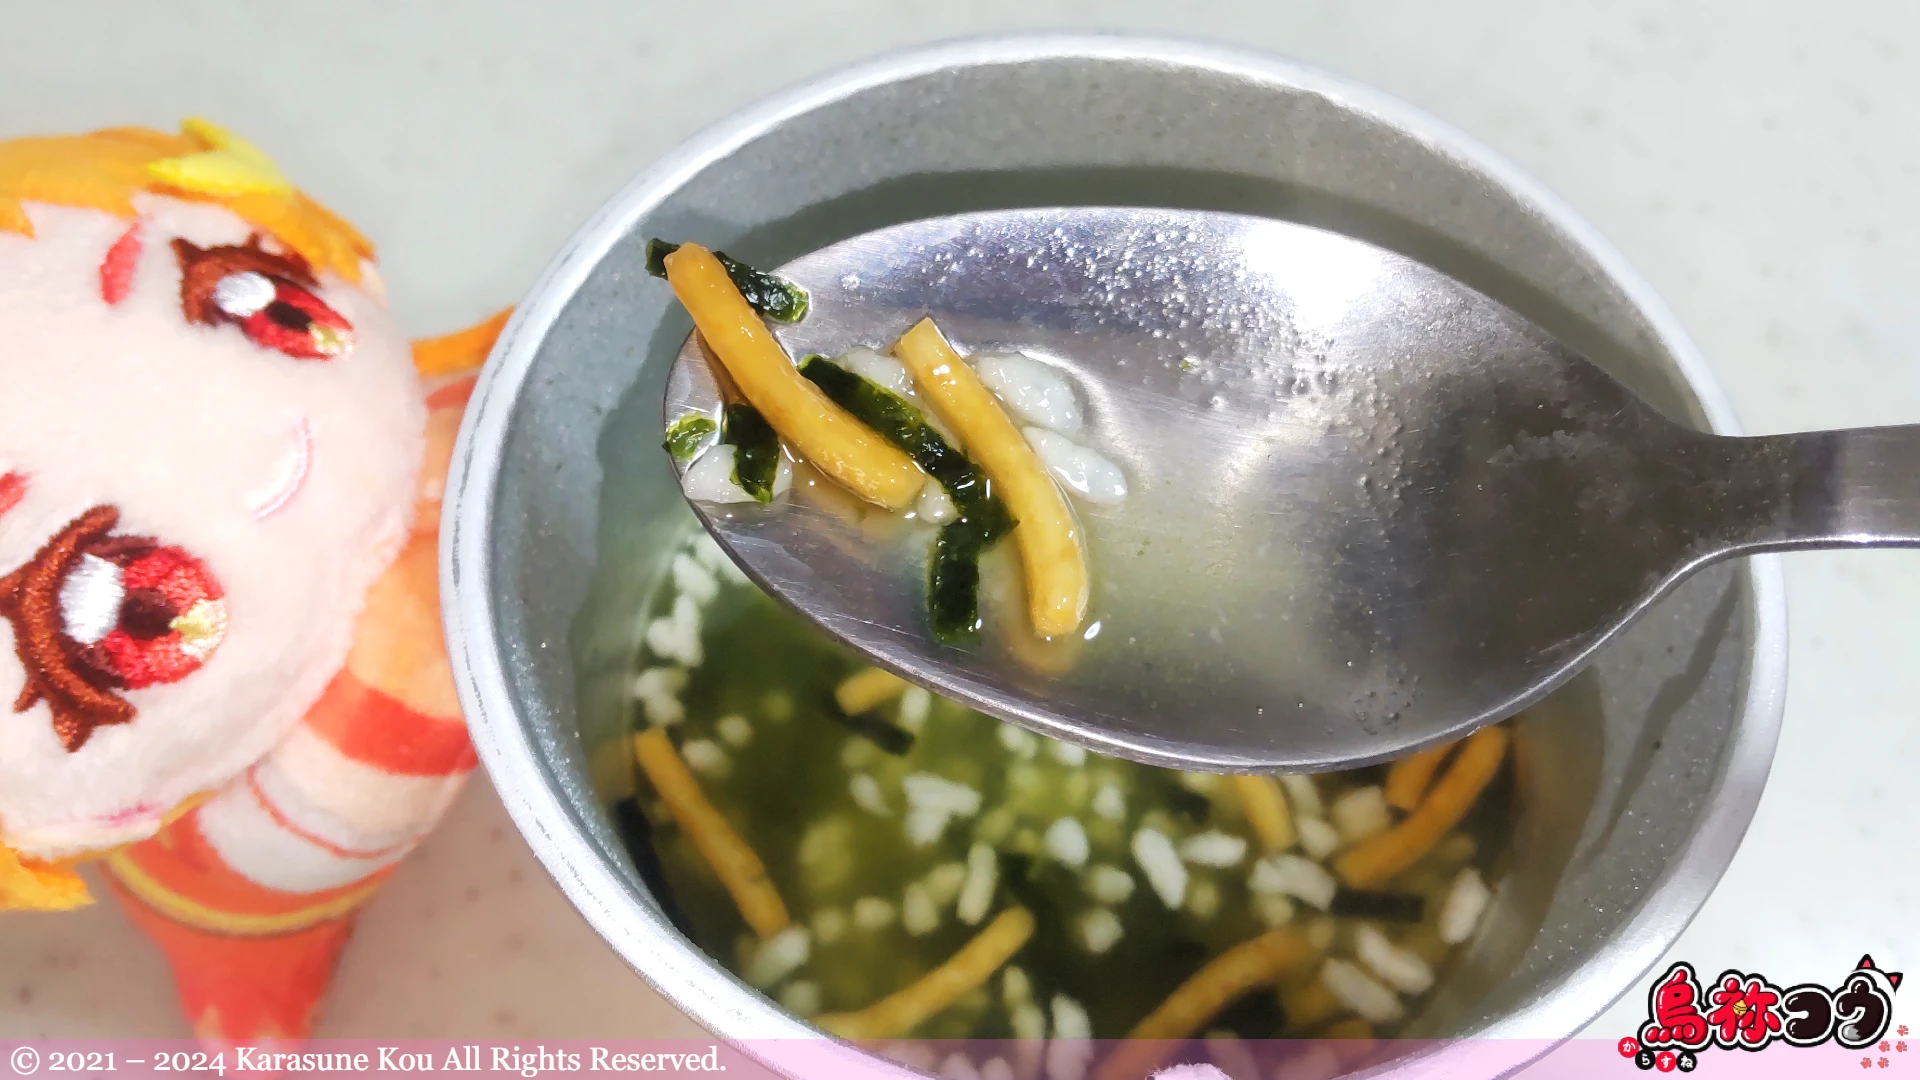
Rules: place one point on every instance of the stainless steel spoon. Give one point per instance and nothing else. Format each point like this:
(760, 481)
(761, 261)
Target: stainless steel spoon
(1370, 509)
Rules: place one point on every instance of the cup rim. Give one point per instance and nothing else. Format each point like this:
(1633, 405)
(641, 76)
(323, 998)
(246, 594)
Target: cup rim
(685, 974)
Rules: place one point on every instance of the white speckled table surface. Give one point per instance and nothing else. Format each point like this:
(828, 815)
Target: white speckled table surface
(1757, 161)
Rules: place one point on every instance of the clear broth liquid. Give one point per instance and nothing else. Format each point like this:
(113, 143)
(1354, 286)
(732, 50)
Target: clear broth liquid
(762, 732)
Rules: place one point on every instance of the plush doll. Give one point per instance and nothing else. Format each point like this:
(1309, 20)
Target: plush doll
(221, 666)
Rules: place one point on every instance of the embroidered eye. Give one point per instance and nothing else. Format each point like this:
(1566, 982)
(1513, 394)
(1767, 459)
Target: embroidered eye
(141, 613)
(94, 613)
(269, 296)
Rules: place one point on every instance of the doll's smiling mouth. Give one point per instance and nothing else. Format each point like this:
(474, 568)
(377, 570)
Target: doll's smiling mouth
(288, 477)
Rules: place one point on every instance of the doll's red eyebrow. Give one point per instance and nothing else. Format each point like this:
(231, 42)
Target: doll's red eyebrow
(13, 488)
(116, 270)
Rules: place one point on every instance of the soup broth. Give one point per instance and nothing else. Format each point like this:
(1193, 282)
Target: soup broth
(894, 834)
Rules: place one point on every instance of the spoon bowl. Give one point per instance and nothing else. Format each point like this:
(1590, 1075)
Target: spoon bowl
(1369, 509)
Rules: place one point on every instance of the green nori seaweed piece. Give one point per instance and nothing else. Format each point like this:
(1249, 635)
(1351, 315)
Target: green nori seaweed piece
(685, 435)
(774, 297)
(636, 835)
(1188, 803)
(1256, 1015)
(756, 450)
(1388, 906)
(953, 576)
(898, 422)
(870, 726)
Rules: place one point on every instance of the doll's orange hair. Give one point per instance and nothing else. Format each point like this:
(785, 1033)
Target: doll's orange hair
(103, 170)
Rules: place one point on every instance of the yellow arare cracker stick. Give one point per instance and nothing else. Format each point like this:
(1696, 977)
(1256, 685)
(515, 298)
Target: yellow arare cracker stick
(1048, 536)
(1244, 967)
(1267, 813)
(868, 689)
(821, 431)
(1352, 1041)
(1351, 1028)
(1379, 857)
(905, 1009)
(1309, 1005)
(1408, 777)
(738, 868)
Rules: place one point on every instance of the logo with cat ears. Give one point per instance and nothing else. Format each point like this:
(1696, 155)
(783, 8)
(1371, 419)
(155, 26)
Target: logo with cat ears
(1746, 1011)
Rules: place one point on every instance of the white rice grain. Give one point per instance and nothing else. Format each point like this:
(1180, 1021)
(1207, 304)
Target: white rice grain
(1303, 794)
(1466, 902)
(1359, 992)
(676, 636)
(826, 851)
(1273, 909)
(1067, 753)
(891, 374)
(958, 1066)
(1080, 469)
(663, 710)
(918, 915)
(867, 795)
(801, 997)
(1214, 848)
(694, 580)
(945, 881)
(1360, 813)
(829, 925)
(1109, 884)
(1027, 1021)
(915, 703)
(1399, 968)
(1066, 840)
(1071, 1050)
(935, 506)
(1166, 874)
(923, 827)
(872, 913)
(710, 477)
(1205, 783)
(925, 791)
(779, 956)
(996, 1069)
(1293, 876)
(1018, 741)
(1100, 930)
(1033, 391)
(668, 639)
(982, 877)
(657, 681)
(734, 730)
(1110, 803)
(705, 757)
(1317, 838)
(1015, 986)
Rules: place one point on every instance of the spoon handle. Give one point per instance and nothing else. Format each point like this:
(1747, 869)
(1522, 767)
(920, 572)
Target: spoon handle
(1858, 487)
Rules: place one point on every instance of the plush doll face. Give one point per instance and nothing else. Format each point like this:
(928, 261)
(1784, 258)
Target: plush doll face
(208, 451)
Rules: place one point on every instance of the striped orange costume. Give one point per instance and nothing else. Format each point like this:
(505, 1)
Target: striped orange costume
(220, 480)
(252, 893)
